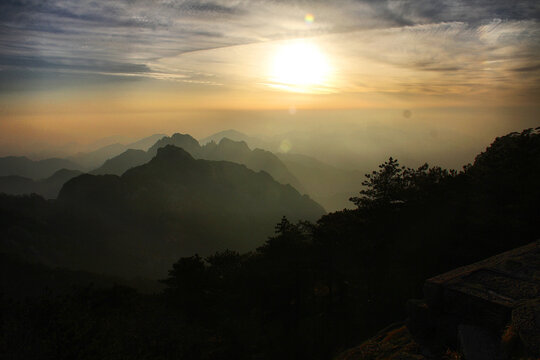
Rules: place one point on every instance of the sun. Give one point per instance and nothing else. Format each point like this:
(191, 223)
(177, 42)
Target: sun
(299, 66)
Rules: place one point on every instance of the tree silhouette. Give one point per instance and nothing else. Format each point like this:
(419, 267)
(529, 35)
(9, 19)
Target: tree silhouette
(383, 186)
(393, 184)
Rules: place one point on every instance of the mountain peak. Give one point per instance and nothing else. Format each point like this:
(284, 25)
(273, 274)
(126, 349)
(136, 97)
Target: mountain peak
(171, 152)
(185, 141)
(231, 134)
(229, 144)
(178, 136)
(147, 142)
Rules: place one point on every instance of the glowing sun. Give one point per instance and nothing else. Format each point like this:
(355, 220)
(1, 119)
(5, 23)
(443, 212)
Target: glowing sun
(299, 66)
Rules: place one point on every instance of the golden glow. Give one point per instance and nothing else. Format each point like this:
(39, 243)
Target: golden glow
(300, 66)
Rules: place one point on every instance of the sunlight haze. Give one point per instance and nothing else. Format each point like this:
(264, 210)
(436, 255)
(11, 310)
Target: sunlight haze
(132, 68)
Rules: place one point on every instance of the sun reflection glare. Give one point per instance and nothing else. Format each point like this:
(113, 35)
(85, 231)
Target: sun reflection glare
(299, 66)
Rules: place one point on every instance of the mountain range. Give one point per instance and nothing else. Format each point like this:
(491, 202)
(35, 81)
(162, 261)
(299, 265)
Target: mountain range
(48, 188)
(91, 160)
(34, 169)
(328, 185)
(139, 223)
(226, 149)
(252, 141)
(41, 169)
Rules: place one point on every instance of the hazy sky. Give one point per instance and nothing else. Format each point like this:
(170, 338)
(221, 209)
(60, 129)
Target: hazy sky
(75, 71)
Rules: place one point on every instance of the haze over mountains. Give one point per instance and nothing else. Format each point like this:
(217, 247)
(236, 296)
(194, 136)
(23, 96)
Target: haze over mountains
(22, 166)
(228, 150)
(93, 159)
(48, 188)
(328, 185)
(139, 223)
(252, 141)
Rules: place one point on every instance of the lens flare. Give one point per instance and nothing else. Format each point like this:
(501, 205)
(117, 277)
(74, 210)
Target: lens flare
(309, 18)
(285, 146)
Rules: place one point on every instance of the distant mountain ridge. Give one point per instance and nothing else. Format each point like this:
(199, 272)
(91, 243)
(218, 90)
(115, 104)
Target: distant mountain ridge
(328, 185)
(48, 188)
(34, 169)
(120, 163)
(20, 175)
(226, 149)
(41, 169)
(253, 142)
(91, 160)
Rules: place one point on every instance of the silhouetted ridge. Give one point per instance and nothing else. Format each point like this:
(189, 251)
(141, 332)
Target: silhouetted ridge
(48, 188)
(119, 164)
(234, 135)
(145, 143)
(231, 145)
(95, 158)
(328, 185)
(172, 153)
(257, 159)
(184, 141)
(228, 150)
(230, 134)
(40, 169)
(64, 174)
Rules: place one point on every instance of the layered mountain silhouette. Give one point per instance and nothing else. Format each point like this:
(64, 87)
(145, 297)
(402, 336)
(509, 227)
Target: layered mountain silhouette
(226, 149)
(48, 188)
(328, 185)
(34, 169)
(41, 169)
(139, 223)
(184, 141)
(91, 160)
(253, 142)
(126, 160)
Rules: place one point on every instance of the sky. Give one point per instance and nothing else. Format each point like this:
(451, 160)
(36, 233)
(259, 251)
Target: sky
(72, 72)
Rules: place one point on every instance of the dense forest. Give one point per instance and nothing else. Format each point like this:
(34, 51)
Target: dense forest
(308, 292)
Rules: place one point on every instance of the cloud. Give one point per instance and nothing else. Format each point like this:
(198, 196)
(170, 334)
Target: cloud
(136, 37)
(209, 8)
